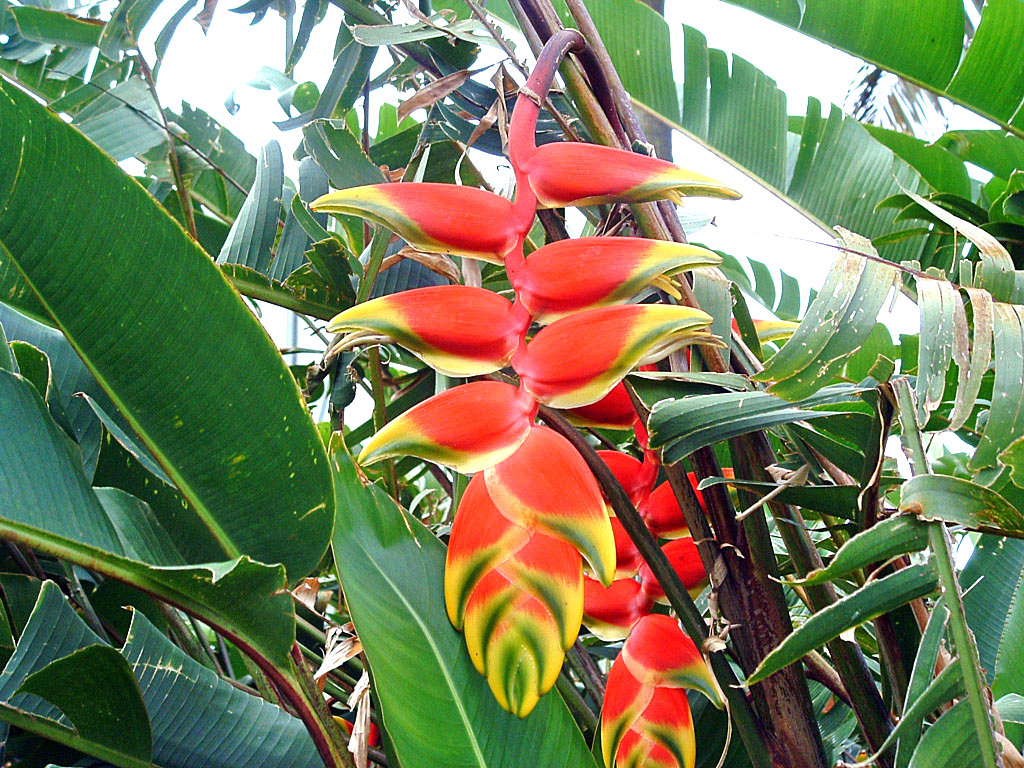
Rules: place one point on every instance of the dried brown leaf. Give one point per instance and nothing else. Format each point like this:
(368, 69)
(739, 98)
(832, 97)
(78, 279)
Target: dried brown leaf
(434, 92)
(435, 262)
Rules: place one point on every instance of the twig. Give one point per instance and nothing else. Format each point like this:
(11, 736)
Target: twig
(172, 157)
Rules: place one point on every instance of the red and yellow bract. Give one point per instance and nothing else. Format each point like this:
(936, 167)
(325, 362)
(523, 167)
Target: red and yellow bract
(457, 330)
(618, 268)
(646, 719)
(534, 516)
(440, 218)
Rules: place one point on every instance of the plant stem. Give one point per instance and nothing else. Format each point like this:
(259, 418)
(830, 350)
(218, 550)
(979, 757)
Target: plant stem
(850, 664)
(585, 718)
(172, 156)
(587, 671)
(380, 414)
(938, 540)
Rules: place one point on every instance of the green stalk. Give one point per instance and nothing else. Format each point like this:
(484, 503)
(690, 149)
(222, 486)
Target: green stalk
(938, 539)
(585, 718)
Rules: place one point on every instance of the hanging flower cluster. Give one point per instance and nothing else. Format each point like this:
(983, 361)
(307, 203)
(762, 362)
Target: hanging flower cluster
(533, 517)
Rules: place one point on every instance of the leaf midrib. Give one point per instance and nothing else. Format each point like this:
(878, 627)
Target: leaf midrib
(463, 715)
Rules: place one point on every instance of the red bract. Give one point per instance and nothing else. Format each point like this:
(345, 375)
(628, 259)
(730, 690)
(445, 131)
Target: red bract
(441, 218)
(613, 411)
(458, 330)
(579, 359)
(562, 174)
(611, 612)
(527, 523)
(518, 595)
(440, 429)
(546, 485)
(619, 268)
(685, 561)
(663, 515)
(646, 720)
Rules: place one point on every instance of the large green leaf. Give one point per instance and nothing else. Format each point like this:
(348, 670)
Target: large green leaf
(994, 583)
(679, 427)
(921, 678)
(49, 506)
(893, 536)
(955, 500)
(168, 706)
(170, 342)
(837, 323)
(435, 706)
(70, 377)
(922, 41)
(950, 740)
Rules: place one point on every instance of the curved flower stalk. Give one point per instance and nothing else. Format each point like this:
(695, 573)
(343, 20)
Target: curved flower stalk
(533, 519)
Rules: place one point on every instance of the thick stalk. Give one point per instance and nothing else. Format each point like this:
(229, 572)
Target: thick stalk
(849, 661)
(938, 540)
(587, 671)
(584, 716)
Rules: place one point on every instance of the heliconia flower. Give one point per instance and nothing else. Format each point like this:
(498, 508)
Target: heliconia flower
(546, 485)
(645, 720)
(481, 538)
(570, 275)
(610, 612)
(570, 173)
(458, 330)
(613, 411)
(516, 629)
(660, 734)
(662, 514)
(683, 556)
(579, 359)
(468, 428)
(440, 218)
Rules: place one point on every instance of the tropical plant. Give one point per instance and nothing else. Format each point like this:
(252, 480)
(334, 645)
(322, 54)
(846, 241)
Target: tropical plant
(709, 550)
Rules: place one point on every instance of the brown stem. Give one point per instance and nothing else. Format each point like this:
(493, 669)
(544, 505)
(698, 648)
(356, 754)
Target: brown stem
(850, 664)
(587, 671)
